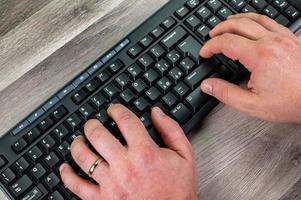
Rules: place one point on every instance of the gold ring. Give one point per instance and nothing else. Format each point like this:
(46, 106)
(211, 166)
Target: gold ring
(93, 167)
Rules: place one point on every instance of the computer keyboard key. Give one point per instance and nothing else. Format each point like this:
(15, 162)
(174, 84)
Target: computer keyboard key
(192, 22)
(157, 32)
(37, 172)
(282, 20)
(45, 124)
(173, 57)
(73, 121)
(213, 21)
(146, 61)
(116, 66)
(203, 32)
(181, 113)
(141, 104)
(204, 13)
(32, 135)
(168, 23)
(102, 116)
(34, 154)
(86, 111)
(201, 72)
(139, 87)
(21, 126)
(91, 86)
(190, 47)
(162, 67)
(152, 94)
(19, 146)
(33, 194)
(259, 4)
(134, 71)
(3, 161)
(103, 76)
(187, 65)
(47, 143)
(59, 113)
(170, 99)
(51, 161)
(180, 90)
(60, 133)
(224, 13)
(238, 5)
(175, 75)
(249, 9)
(79, 96)
(63, 150)
(8, 176)
(280, 5)
(214, 5)
(21, 185)
(164, 84)
(110, 91)
(270, 11)
(150, 76)
(146, 41)
(98, 101)
(51, 181)
(182, 12)
(157, 52)
(127, 96)
(55, 196)
(196, 99)
(146, 120)
(134, 51)
(36, 115)
(292, 13)
(191, 4)
(20, 165)
(173, 38)
(122, 81)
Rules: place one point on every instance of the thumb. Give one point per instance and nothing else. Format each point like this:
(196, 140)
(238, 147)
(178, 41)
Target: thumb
(230, 94)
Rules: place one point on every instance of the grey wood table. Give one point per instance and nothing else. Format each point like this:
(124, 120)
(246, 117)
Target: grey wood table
(44, 43)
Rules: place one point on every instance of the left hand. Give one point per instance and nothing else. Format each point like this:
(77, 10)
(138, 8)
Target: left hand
(141, 170)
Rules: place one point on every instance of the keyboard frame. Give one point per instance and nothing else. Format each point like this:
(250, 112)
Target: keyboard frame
(141, 30)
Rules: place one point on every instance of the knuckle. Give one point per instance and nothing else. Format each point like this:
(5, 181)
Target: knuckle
(76, 188)
(263, 18)
(125, 115)
(147, 156)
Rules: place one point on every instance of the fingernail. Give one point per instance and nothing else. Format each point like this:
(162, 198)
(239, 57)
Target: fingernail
(79, 137)
(207, 88)
(62, 167)
(159, 111)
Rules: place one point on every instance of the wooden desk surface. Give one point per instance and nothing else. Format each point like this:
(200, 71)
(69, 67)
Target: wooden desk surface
(43, 44)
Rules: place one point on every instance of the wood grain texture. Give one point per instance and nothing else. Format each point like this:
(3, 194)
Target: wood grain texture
(43, 44)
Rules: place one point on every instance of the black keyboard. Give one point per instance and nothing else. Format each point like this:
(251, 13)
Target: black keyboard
(158, 64)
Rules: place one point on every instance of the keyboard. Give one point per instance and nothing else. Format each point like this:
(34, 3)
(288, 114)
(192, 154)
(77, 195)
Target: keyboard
(158, 64)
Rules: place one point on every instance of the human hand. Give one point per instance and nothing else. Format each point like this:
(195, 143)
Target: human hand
(273, 56)
(141, 170)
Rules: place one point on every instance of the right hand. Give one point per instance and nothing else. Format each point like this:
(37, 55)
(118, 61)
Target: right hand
(273, 56)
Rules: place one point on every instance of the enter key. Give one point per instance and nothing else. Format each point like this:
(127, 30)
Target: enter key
(190, 47)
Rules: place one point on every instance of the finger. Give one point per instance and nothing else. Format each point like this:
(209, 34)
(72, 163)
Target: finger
(233, 46)
(265, 21)
(85, 158)
(79, 186)
(171, 133)
(130, 126)
(104, 142)
(231, 94)
(240, 26)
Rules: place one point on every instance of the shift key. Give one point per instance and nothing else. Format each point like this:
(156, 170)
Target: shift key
(200, 73)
